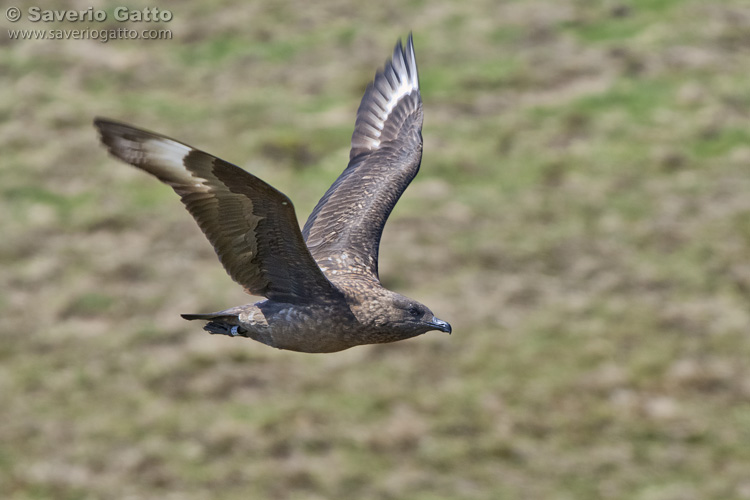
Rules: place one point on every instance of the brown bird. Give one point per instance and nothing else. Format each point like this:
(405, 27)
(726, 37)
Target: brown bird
(321, 285)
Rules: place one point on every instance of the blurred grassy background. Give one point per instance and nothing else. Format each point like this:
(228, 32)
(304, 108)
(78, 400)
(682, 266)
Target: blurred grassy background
(581, 218)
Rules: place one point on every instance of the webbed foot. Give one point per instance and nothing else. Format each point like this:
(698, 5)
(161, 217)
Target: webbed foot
(215, 328)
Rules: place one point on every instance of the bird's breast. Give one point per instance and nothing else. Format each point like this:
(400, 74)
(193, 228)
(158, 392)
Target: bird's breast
(306, 328)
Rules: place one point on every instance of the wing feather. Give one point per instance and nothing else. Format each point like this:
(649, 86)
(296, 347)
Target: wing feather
(251, 225)
(343, 232)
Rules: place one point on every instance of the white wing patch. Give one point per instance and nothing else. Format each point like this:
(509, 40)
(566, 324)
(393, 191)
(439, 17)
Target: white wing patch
(170, 156)
(406, 73)
(398, 79)
(159, 156)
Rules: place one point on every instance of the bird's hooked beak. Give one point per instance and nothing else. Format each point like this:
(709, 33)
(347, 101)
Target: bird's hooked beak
(441, 325)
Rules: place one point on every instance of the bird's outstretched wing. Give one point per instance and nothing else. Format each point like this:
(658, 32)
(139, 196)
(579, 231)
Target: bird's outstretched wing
(251, 225)
(343, 232)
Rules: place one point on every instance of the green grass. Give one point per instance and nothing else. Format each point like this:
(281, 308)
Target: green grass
(581, 218)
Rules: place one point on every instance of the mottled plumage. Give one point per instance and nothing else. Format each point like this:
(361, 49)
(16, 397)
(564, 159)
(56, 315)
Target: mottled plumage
(321, 284)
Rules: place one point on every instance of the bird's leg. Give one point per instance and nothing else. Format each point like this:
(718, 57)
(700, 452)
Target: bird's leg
(216, 328)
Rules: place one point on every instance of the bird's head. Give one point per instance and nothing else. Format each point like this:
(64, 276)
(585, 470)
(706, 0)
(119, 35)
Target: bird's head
(411, 317)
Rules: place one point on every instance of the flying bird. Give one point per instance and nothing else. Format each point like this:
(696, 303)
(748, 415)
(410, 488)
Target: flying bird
(321, 286)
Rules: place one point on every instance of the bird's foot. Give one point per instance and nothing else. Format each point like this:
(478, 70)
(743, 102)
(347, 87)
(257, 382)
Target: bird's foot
(215, 328)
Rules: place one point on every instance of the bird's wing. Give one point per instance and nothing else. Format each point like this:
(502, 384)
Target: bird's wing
(251, 225)
(343, 232)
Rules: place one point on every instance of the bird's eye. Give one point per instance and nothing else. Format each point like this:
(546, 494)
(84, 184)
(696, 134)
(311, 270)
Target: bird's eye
(414, 311)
